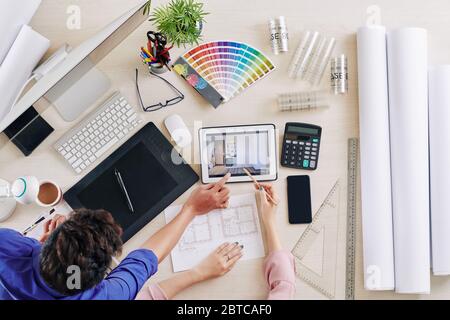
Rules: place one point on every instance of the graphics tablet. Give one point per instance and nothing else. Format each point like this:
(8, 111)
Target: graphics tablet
(233, 149)
(153, 181)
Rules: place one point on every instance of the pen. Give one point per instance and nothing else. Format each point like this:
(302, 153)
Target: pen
(124, 189)
(259, 186)
(37, 222)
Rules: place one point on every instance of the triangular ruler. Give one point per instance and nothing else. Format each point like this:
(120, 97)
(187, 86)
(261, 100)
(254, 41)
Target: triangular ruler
(324, 227)
(313, 258)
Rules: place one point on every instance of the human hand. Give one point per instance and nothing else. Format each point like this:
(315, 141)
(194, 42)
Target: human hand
(51, 225)
(207, 198)
(219, 262)
(267, 205)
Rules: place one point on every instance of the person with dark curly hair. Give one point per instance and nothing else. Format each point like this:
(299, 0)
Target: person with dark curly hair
(72, 259)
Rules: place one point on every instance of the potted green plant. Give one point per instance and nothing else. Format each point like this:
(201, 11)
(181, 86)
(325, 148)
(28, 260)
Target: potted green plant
(181, 21)
(147, 7)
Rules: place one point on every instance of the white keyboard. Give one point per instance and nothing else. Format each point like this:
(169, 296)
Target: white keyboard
(98, 133)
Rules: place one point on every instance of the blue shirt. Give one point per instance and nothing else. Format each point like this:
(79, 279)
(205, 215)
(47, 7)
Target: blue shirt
(20, 277)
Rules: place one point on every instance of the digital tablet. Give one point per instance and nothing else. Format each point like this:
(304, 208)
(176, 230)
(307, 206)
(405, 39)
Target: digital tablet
(232, 149)
(152, 179)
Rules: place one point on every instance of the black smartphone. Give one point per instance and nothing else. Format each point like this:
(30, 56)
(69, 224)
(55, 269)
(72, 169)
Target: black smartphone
(299, 199)
(28, 131)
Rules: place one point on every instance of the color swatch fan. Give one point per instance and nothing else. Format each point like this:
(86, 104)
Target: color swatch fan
(220, 70)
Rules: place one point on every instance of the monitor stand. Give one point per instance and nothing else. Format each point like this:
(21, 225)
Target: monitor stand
(78, 91)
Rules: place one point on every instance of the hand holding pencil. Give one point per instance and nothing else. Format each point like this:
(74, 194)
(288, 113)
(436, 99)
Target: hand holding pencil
(268, 189)
(268, 202)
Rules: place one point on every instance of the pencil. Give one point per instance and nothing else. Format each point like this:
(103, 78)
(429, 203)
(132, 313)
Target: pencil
(259, 186)
(148, 54)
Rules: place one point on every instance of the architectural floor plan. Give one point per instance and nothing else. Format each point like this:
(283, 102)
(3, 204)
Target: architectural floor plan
(239, 222)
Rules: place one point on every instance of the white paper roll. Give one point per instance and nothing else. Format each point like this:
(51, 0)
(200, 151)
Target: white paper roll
(439, 111)
(25, 54)
(378, 244)
(13, 15)
(408, 111)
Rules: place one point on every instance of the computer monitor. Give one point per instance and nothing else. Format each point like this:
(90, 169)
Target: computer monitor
(74, 83)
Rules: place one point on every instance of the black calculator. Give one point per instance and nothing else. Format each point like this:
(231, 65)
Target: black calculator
(301, 146)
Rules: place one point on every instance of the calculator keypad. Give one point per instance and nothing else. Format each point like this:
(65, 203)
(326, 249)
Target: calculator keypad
(301, 154)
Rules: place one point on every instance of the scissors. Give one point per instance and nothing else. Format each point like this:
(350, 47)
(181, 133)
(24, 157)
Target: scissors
(157, 43)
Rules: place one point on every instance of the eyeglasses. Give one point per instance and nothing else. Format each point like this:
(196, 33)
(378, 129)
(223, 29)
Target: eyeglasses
(158, 106)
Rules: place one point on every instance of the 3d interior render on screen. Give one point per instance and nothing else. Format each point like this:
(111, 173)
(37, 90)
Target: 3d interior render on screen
(265, 152)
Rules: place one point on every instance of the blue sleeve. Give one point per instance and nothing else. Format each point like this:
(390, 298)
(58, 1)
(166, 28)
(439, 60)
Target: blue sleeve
(14, 244)
(125, 281)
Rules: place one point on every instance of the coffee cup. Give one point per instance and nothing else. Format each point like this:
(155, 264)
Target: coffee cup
(28, 190)
(49, 194)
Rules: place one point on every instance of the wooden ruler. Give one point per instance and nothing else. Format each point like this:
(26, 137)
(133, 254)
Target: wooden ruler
(352, 180)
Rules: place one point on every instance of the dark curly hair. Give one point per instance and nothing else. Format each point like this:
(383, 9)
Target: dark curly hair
(88, 240)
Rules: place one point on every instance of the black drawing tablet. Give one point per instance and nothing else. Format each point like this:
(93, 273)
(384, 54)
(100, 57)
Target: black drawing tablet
(152, 179)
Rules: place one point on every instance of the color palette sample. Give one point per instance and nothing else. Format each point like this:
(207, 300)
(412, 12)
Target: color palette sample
(226, 67)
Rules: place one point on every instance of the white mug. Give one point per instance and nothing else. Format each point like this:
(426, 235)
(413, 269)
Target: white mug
(26, 190)
(48, 201)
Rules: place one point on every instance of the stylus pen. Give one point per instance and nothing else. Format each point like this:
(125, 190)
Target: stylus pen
(259, 186)
(38, 221)
(33, 226)
(124, 189)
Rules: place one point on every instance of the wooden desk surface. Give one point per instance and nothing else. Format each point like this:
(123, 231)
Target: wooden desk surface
(243, 21)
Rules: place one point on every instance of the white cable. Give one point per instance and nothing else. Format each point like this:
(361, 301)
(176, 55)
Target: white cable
(45, 68)
(33, 77)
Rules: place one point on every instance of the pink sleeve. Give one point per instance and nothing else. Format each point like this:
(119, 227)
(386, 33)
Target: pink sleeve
(279, 270)
(152, 292)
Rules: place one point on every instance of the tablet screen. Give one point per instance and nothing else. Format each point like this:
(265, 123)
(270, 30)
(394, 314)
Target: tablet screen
(236, 150)
(232, 152)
